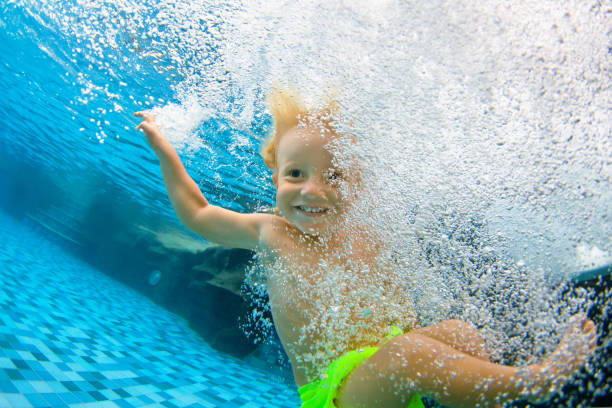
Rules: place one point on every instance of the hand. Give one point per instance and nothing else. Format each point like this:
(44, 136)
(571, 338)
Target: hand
(150, 128)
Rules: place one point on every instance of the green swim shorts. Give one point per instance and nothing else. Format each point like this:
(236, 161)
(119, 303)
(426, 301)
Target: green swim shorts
(321, 394)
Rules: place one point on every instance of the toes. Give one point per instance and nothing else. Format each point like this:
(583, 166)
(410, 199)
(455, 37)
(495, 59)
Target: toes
(580, 323)
(583, 322)
(588, 326)
(589, 329)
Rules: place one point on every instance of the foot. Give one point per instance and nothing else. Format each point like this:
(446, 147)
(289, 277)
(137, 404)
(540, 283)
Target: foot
(540, 381)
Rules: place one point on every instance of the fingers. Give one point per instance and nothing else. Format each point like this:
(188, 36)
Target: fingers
(148, 118)
(144, 114)
(146, 126)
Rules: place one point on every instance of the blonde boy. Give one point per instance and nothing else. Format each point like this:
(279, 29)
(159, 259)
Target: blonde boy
(380, 367)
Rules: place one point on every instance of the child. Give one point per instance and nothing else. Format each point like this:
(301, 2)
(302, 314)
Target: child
(370, 363)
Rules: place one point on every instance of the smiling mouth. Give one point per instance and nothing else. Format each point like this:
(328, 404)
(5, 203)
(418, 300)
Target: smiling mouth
(312, 211)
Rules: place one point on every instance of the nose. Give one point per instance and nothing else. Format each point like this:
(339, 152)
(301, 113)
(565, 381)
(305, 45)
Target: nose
(313, 187)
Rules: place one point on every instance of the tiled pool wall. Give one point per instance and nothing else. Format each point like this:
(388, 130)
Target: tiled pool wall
(71, 336)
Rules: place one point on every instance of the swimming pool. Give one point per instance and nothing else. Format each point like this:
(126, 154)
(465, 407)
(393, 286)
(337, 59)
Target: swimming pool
(71, 336)
(82, 199)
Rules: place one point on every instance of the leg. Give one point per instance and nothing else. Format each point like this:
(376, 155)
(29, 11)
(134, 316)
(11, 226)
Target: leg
(458, 334)
(416, 363)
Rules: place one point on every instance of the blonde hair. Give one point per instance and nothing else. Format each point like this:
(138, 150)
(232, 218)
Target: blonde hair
(288, 109)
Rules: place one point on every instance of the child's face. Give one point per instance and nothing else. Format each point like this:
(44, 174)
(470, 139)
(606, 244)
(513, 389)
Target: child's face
(306, 181)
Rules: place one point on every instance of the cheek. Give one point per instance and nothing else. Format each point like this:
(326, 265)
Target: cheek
(282, 197)
(342, 191)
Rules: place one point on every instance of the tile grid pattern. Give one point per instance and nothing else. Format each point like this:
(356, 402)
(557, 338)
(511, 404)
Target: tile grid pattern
(71, 336)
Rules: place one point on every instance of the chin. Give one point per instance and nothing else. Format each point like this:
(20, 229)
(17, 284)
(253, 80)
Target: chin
(313, 230)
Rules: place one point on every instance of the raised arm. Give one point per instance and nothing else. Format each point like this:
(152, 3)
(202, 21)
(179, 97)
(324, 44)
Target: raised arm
(214, 223)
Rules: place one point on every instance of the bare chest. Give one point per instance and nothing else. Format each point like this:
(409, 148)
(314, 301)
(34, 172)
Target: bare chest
(327, 300)
(325, 306)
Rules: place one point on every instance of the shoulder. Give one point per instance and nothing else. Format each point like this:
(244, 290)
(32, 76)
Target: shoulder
(275, 232)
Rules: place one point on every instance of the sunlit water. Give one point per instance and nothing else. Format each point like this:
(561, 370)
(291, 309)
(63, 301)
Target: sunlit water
(483, 128)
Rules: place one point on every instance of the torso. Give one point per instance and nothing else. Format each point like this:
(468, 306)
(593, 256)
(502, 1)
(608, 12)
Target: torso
(327, 301)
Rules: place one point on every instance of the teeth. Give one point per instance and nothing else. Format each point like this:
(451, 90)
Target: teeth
(312, 210)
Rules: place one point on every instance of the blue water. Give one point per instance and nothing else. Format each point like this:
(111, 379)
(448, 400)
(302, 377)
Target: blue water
(78, 184)
(47, 121)
(69, 334)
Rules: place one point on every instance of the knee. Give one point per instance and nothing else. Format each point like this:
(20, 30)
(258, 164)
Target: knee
(460, 326)
(469, 337)
(463, 331)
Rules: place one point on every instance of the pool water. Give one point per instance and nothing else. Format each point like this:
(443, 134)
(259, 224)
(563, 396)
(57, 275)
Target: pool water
(498, 152)
(71, 336)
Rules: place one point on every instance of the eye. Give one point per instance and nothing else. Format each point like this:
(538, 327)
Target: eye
(334, 175)
(295, 173)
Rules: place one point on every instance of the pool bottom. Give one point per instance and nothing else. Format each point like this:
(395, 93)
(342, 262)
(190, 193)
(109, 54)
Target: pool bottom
(71, 336)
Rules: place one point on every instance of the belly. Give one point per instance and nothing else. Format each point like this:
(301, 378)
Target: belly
(314, 338)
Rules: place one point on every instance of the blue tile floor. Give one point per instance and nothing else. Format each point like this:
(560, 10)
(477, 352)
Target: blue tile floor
(71, 336)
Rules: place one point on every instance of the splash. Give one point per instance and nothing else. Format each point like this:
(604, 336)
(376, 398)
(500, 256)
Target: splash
(179, 123)
(483, 128)
(500, 108)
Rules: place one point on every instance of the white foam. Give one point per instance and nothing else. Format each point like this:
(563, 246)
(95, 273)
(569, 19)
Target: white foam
(179, 122)
(590, 257)
(482, 116)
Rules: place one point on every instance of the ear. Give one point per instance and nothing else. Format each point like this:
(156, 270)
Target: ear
(275, 179)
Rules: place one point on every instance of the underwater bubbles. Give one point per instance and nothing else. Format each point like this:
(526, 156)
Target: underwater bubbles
(483, 131)
(483, 134)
